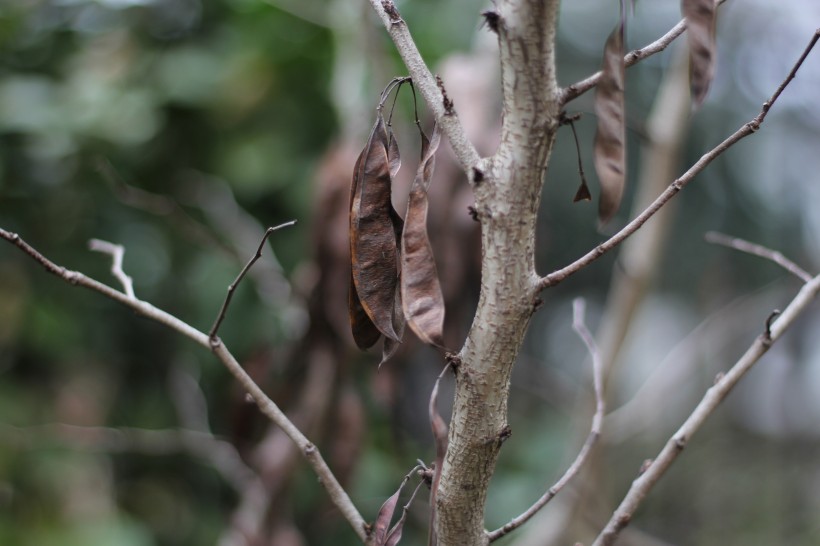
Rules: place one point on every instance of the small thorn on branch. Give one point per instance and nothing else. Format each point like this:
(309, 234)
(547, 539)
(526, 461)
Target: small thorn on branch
(473, 213)
(446, 102)
(492, 19)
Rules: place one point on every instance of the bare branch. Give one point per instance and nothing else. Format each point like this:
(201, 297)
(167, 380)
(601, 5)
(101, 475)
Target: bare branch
(633, 57)
(758, 250)
(337, 494)
(747, 129)
(579, 325)
(431, 88)
(713, 397)
(117, 252)
(221, 316)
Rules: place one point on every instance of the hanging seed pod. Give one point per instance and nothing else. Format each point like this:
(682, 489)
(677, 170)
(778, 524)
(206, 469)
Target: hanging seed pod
(421, 295)
(610, 138)
(373, 248)
(700, 18)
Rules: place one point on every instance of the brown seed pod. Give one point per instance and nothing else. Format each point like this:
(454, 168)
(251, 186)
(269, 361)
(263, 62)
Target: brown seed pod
(373, 248)
(421, 295)
(610, 138)
(700, 18)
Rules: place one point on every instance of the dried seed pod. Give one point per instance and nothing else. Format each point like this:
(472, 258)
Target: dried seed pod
(373, 247)
(700, 18)
(610, 138)
(421, 295)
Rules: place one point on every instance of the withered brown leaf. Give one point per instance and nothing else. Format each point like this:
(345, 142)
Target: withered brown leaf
(700, 18)
(421, 295)
(373, 249)
(610, 138)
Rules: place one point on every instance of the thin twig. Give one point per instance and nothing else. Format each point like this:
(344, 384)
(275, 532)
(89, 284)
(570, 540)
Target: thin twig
(579, 325)
(711, 400)
(758, 250)
(426, 83)
(633, 57)
(221, 316)
(117, 252)
(337, 494)
(747, 129)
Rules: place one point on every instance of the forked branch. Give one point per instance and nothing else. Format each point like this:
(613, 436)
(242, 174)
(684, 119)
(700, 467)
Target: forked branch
(714, 396)
(747, 129)
(337, 494)
(580, 327)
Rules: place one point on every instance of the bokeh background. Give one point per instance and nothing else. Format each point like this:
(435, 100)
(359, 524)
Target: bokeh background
(182, 128)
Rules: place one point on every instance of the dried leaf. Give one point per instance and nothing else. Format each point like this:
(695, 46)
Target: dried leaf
(421, 295)
(700, 18)
(610, 139)
(373, 233)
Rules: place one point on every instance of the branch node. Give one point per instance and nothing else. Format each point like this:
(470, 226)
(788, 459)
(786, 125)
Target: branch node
(473, 213)
(504, 434)
(767, 335)
(390, 9)
(478, 174)
(645, 466)
(454, 360)
(309, 449)
(680, 442)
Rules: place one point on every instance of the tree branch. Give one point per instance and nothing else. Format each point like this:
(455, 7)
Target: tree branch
(758, 250)
(579, 325)
(117, 253)
(713, 397)
(338, 495)
(577, 89)
(747, 129)
(221, 316)
(431, 87)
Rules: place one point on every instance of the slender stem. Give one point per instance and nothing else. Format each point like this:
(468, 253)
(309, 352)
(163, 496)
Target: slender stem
(221, 316)
(758, 250)
(747, 129)
(714, 396)
(337, 494)
(579, 325)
